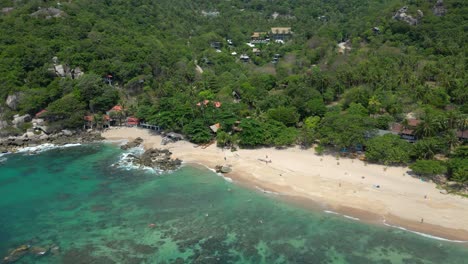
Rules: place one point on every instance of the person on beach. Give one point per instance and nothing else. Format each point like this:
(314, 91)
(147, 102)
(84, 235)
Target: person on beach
(422, 220)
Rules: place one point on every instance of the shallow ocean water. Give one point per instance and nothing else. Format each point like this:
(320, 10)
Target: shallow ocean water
(95, 212)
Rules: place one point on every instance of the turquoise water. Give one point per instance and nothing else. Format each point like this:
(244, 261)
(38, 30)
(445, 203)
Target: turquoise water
(98, 213)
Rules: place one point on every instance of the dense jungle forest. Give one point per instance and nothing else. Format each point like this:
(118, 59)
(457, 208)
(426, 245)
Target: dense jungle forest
(340, 76)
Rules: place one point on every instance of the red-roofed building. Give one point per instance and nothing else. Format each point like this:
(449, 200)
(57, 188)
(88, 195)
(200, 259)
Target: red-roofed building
(90, 123)
(116, 108)
(133, 121)
(408, 131)
(217, 104)
(38, 115)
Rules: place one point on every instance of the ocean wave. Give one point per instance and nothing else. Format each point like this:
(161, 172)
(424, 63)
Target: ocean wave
(352, 218)
(423, 234)
(343, 215)
(265, 191)
(45, 147)
(218, 173)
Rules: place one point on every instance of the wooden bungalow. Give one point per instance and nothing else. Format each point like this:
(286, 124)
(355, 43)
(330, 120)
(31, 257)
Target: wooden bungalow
(407, 132)
(90, 123)
(259, 37)
(281, 33)
(132, 121)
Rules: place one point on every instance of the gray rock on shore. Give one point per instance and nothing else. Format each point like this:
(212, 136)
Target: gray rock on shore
(132, 144)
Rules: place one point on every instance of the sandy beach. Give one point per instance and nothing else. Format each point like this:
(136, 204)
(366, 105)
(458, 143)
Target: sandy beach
(347, 186)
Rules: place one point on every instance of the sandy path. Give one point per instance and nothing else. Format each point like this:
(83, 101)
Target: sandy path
(343, 185)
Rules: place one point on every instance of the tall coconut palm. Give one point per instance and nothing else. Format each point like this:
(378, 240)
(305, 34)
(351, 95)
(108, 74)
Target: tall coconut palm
(429, 126)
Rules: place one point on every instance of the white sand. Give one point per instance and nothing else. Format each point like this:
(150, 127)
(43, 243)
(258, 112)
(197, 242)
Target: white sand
(338, 184)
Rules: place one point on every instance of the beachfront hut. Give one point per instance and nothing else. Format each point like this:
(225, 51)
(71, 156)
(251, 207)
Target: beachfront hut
(406, 131)
(90, 122)
(116, 113)
(132, 121)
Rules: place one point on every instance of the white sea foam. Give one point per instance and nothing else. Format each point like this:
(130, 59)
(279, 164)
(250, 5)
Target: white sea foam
(126, 161)
(352, 218)
(265, 191)
(45, 147)
(345, 216)
(423, 234)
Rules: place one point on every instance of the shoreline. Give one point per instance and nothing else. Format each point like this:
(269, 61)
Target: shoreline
(344, 186)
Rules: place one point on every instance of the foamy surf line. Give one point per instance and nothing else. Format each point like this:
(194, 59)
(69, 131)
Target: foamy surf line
(265, 191)
(423, 234)
(210, 169)
(345, 216)
(45, 147)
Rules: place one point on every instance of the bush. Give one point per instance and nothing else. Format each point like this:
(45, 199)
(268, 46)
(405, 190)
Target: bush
(428, 167)
(388, 149)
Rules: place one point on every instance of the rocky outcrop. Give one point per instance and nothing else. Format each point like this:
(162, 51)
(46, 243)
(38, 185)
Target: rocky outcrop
(402, 15)
(7, 10)
(12, 101)
(31, 139)
(20, 120)
(48, 13)
(132, 144)
(159, 159)
(3, 124)
(63, 70)
(439, 8)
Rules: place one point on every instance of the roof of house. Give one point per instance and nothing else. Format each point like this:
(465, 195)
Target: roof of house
(40, 113)
(258, 34)
(398, 128)
(116, 108)
(281, 30)
(132, 119)
(90, 118)
(413, 122)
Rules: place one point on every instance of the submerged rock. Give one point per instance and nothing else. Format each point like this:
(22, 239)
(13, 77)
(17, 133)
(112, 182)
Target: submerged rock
(16, 254)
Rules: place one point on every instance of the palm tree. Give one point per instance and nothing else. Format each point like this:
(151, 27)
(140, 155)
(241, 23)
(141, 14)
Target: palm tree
(98, 121)
(429, 126)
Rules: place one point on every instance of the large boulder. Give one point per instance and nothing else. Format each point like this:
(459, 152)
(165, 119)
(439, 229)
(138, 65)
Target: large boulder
(3, 124)
(67, 133)
(223, 169)
(12, 101)
(20, 120)
(38, 122)
(439, 8)
(402, 15)
(48, 13)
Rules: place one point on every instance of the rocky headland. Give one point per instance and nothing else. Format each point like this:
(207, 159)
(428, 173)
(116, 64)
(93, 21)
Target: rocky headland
(31, 139)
